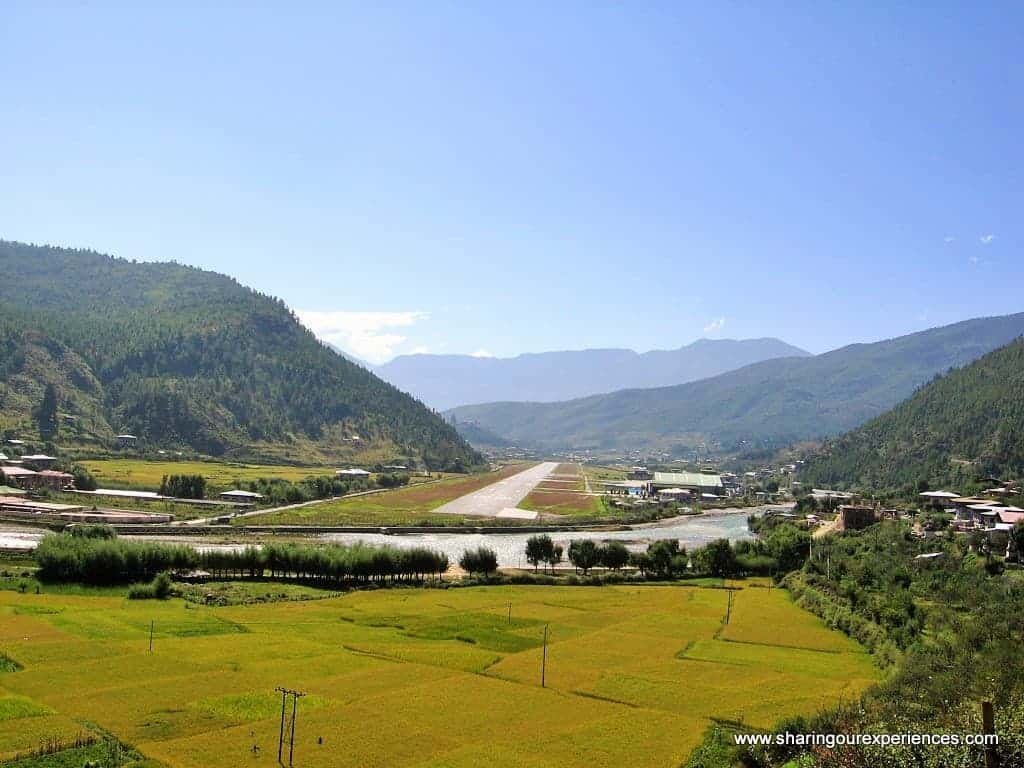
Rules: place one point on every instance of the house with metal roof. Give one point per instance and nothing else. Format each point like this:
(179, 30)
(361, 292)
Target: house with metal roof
(39, 460)
(242, 496)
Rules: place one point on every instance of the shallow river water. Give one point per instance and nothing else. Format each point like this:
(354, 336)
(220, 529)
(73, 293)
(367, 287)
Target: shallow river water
(692, 531)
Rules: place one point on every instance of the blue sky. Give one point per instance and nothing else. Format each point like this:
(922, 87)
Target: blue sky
(497, 178)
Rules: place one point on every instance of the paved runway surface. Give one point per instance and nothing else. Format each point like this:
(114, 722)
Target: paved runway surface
(499, 497)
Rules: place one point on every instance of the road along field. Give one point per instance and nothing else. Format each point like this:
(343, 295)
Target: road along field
(418, 677)
(398, 507)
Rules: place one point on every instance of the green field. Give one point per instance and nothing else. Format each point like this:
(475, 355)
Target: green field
(146, 475)
(417, 677)
(404, 506)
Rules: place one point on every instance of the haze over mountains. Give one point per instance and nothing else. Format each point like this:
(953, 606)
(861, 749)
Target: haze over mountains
(447, 381)
(770, 403)
(187, 358)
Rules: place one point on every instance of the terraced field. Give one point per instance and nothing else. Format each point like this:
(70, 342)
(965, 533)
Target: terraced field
(424, 678)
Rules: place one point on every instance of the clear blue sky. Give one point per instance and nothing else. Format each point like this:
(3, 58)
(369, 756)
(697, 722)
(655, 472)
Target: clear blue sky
(509, 177)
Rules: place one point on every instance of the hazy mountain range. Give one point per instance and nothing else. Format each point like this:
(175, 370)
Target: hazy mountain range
(768, 403)
(447, 381)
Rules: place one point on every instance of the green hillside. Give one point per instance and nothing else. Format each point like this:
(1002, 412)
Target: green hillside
(958, 429)
(187, 358)
(771, 403)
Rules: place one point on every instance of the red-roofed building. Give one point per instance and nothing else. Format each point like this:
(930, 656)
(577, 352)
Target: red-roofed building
(20, 477)
(58, 481)
(1010, 518)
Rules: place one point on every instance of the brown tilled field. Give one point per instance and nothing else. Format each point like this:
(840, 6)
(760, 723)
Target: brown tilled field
(561, 502)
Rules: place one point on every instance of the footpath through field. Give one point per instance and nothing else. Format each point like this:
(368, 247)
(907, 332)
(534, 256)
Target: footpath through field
(500, 499)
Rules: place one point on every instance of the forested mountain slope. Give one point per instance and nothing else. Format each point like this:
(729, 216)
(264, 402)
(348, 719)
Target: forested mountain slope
(775, 402)
(959, 428)
(185, 357)
(446, 381)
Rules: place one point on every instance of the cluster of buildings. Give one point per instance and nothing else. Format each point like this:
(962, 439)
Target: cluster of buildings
(987, 512)
(33, 471)
(670, 486)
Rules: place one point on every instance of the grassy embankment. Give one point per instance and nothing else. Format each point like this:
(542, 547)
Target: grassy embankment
(634, 674)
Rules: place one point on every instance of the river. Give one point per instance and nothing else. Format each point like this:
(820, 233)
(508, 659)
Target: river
(691, 531)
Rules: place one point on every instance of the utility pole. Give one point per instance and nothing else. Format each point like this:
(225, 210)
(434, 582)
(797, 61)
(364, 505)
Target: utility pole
(291, 746)
(280, 735)
(510, 613)
(544, 658)
(151, 635)
(728, 608)
(988, 726)
(296, 695)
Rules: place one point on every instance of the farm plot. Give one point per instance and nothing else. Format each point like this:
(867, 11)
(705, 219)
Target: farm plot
(146, 475)
(634, 674)
(563, 492)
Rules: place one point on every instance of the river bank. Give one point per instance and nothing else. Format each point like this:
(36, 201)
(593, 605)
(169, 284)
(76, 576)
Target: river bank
(509, 544)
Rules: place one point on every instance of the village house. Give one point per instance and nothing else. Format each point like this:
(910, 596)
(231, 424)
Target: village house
(239, 495)
(127, 441)
(54, 480)
(939, 498)
(21, 477)
(352, 472)
(38, 461)
(852, 517)
(828, 495)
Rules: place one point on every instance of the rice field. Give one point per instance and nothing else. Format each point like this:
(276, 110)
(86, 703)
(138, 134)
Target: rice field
(138, 474)
(419, 677)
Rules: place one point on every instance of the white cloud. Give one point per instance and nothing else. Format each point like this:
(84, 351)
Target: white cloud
(420, 350)
(987, 239)
(367, 335)
(482, 353)
(949, 239)
(715, 325)
(974, 260)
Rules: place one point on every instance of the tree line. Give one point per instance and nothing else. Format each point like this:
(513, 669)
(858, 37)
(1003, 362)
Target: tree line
(780, 550)
(97, 557)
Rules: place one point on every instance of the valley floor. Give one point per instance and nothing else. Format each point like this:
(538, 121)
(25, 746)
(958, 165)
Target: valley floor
(419, 677)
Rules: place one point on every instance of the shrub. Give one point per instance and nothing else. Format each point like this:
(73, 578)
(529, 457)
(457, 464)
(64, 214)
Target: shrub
(158, 589)
(99, 531)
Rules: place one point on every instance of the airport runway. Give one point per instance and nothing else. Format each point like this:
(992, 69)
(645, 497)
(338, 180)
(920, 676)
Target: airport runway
(500, 499)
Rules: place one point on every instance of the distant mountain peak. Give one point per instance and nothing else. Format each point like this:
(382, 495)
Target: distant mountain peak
(447, 381)
(769, 403)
